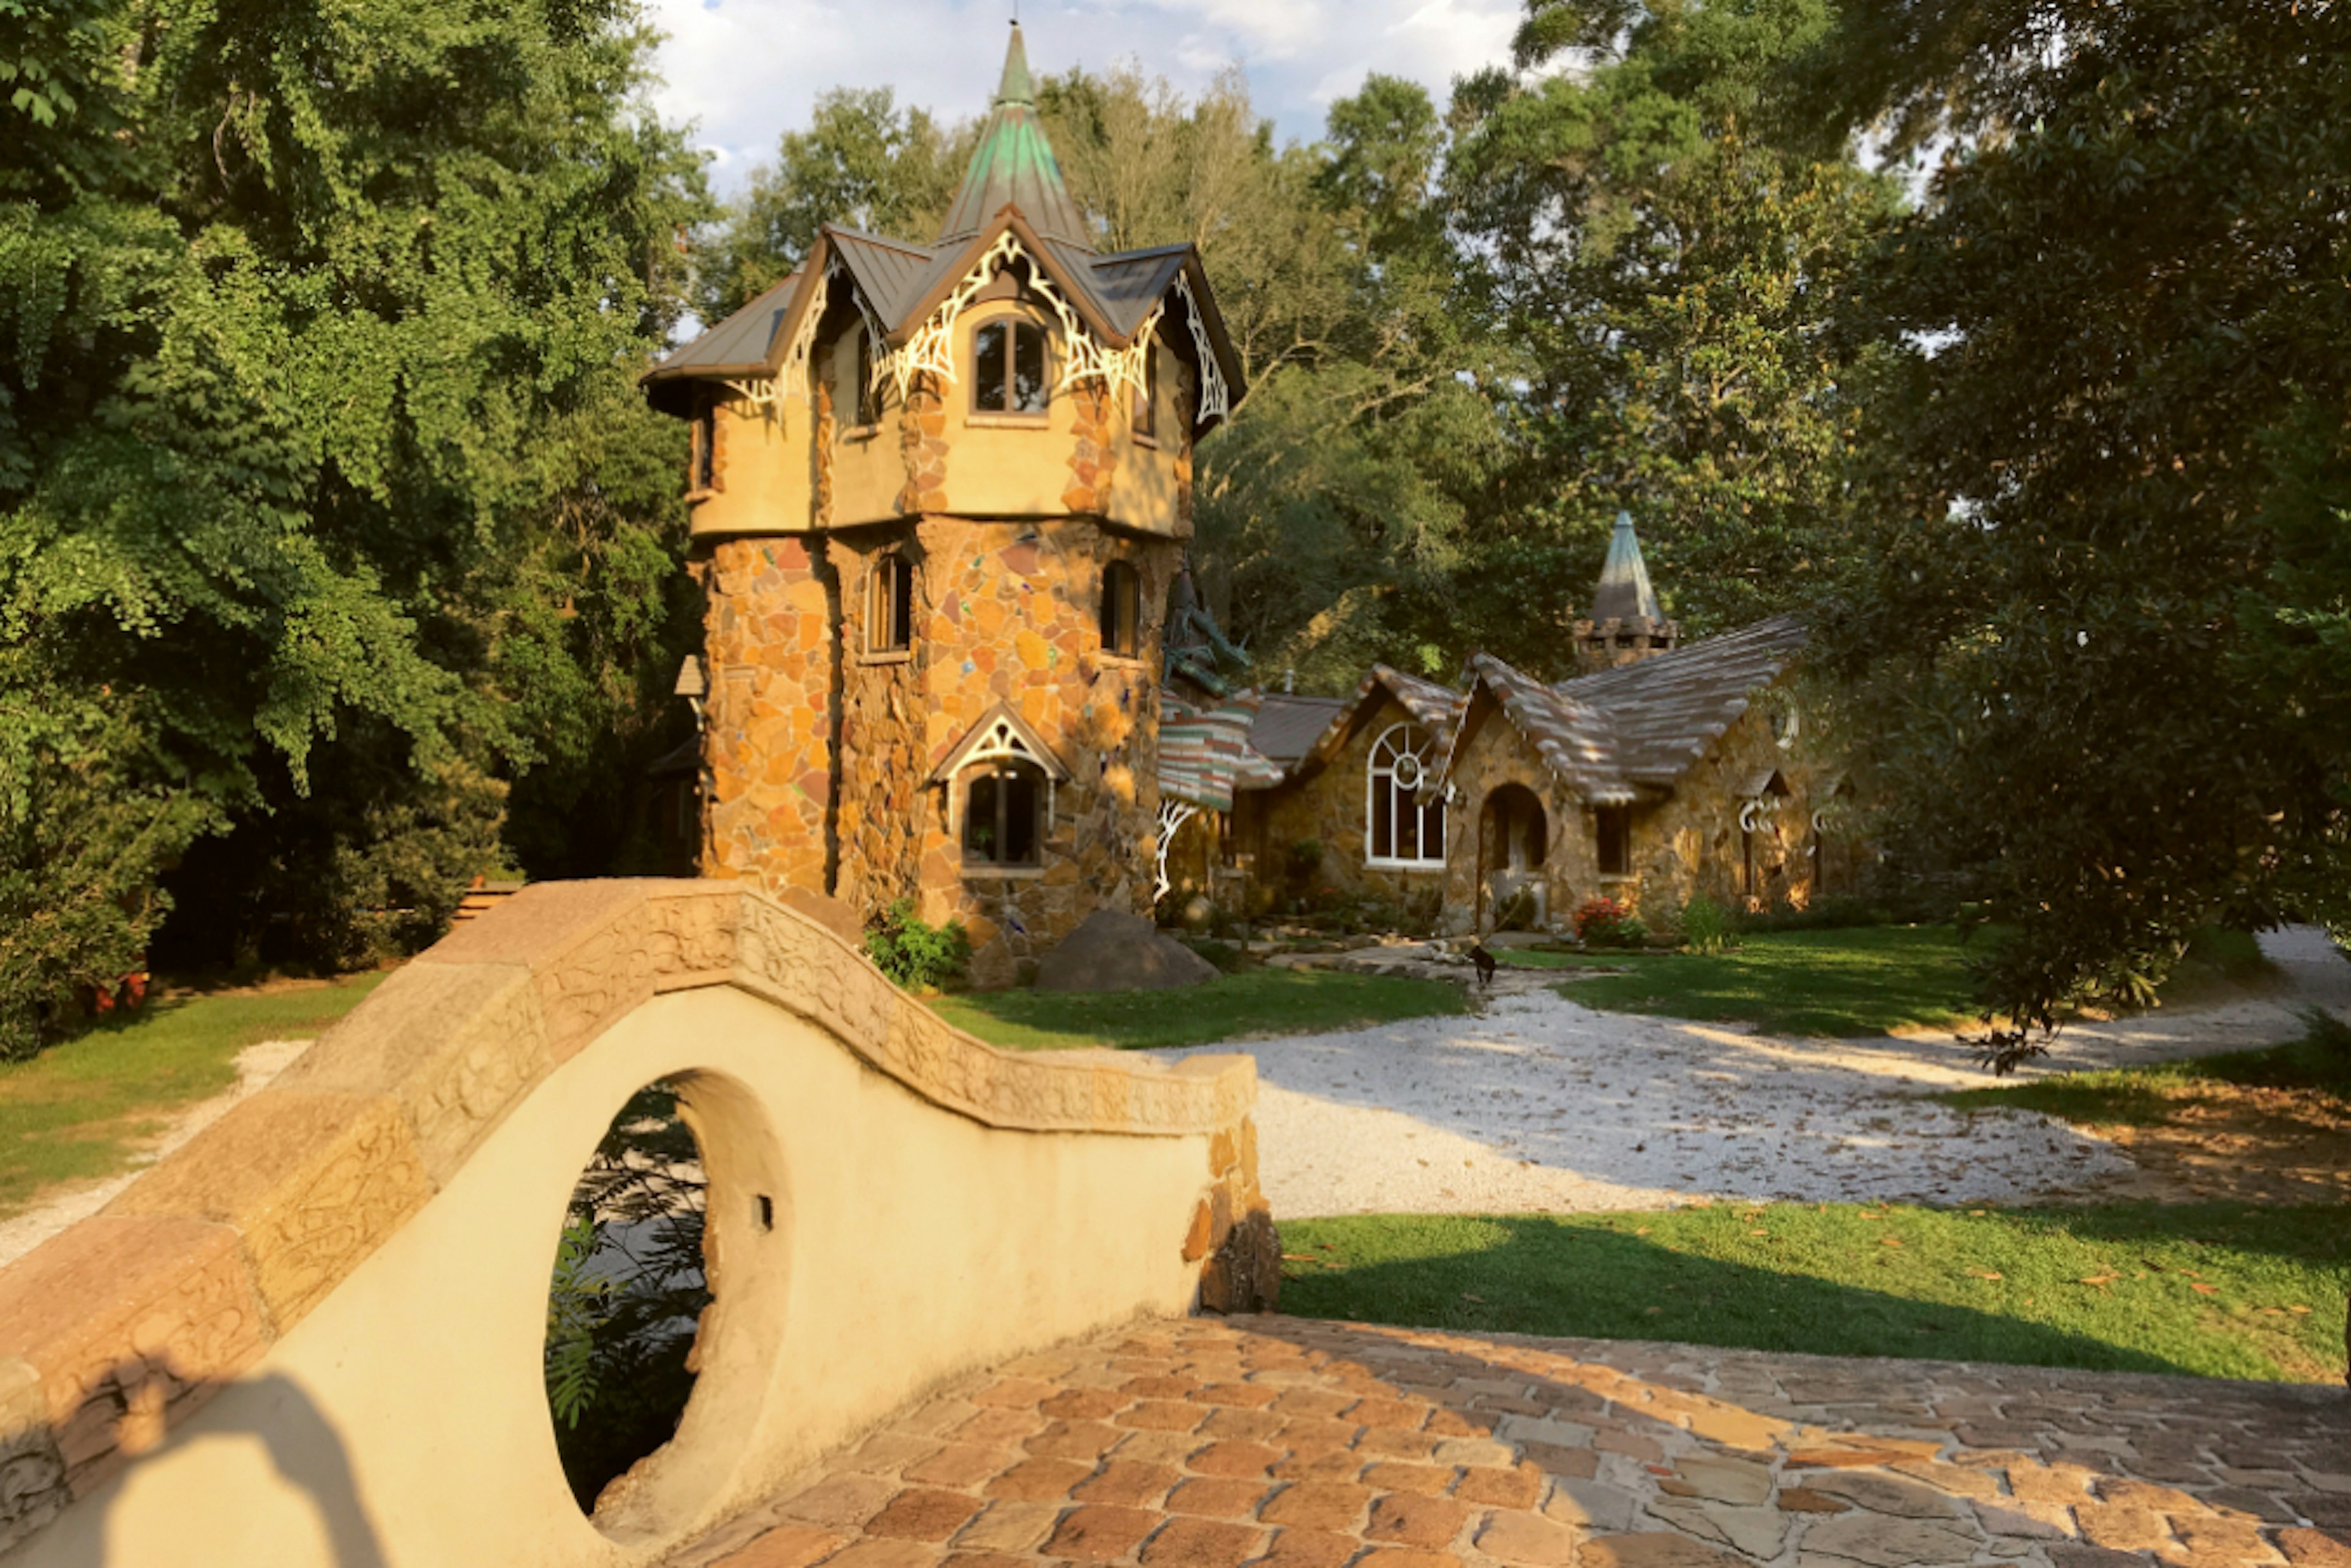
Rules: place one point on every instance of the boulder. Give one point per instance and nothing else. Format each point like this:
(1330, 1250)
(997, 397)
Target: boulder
(1113, 952)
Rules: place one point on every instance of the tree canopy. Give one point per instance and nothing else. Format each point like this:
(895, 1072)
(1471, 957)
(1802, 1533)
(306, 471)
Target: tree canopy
(327, 508)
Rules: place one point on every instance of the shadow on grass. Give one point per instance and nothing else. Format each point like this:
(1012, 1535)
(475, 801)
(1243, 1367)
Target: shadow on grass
(1602, 1278)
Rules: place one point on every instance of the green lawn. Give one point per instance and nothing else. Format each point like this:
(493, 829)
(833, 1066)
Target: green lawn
(1860, 981)
(2219, 1290)
(78, 1110)
(2152, 1094)
(1256, 1002)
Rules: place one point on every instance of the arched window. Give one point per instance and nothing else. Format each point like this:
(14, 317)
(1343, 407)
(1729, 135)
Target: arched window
(1008, 368)
(1122, 609)
(1397, 829)
(702, 476)
(890, 605)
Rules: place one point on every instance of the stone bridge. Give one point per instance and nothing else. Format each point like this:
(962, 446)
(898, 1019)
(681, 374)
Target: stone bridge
(313, 1335)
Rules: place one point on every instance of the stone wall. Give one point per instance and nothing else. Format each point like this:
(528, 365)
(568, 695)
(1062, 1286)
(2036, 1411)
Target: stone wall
(312, 1335)
(1326, 805)
(1491, 755)
(769, 610)
(1693, 841)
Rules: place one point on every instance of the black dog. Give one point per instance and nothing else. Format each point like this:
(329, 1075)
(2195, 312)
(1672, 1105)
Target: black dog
(1484, 962)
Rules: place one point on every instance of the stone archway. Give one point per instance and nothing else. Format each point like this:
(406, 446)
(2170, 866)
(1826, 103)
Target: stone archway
(1513, 841)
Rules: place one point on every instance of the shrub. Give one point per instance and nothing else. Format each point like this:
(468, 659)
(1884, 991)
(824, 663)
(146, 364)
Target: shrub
(1705, 924)
(914, 953)
(1830, 911)
(1604, 923)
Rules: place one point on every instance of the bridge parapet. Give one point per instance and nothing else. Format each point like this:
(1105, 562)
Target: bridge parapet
(382, 1219)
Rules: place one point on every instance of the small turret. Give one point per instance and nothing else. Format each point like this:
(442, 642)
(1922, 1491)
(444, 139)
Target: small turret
(1627, 624)
(1014, 167)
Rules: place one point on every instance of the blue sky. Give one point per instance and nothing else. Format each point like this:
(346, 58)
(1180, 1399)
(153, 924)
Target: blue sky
(746, 70)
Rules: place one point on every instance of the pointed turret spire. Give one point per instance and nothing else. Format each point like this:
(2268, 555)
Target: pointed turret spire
(1014, 167)
(1628, 624)
(1625, 591)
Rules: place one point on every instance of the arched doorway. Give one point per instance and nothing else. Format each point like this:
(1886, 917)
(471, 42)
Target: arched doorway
(1514, 837)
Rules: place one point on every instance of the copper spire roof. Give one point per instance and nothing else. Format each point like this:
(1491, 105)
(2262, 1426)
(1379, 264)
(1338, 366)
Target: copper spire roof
(1014, 167)
(1624, 593)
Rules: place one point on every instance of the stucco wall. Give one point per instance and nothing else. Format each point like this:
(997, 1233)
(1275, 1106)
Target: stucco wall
(313, 1336)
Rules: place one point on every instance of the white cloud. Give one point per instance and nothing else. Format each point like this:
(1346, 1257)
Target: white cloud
(747, 70)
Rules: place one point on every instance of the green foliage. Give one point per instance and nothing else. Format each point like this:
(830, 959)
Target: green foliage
(2102, 630)
(1705, 924)
(627, 1294)
(323, 323)
(916, 954)
(1975, 1285)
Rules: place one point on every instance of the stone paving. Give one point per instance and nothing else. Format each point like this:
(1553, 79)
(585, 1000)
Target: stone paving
(1291, 1443)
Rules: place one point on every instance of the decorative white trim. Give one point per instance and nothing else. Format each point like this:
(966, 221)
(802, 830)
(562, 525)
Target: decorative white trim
(1215, 397)
(794, 375)
(761, 394)
(1085, 357)
(1758, 815)
(1000, 738)
(1173, 814)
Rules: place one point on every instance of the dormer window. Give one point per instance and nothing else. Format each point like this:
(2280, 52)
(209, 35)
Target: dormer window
(890, 605)
(1009, 369)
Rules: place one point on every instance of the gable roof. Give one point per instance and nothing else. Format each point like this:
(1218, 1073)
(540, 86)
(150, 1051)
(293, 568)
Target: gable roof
(1666, 712)
(1435, 707)
(1288, 726)
(1574, 739)
(1000, 732)
(1013, 186)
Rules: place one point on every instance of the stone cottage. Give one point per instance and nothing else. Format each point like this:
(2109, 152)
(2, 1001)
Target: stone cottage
(940, 494)
(1666, 768)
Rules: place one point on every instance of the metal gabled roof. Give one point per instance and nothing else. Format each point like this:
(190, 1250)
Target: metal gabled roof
(892, 275)
(742, 345)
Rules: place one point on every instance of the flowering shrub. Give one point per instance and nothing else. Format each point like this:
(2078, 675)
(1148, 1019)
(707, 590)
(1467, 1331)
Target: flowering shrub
(1604, 923)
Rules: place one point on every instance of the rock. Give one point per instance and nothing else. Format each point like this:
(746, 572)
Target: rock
(1113, 952)
(1882, 1542)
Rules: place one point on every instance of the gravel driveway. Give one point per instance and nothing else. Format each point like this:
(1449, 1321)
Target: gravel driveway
(1541, 1105)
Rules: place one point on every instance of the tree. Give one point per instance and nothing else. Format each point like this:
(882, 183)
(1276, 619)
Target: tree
(312, 303)
(1667, 251)
(863, 163)
(2105, 626)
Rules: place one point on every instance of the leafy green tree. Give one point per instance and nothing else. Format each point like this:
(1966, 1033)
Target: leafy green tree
(864, 162)
(1666, 251)
(312, 304)
(2103, 622)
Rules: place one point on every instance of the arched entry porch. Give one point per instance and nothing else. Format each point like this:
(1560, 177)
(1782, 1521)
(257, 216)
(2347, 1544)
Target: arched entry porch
(1513, 840)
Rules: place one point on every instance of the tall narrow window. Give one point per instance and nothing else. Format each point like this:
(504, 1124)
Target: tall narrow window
(1398, 831)
(890, 609)
(1002, 803)
(1146, 399)
(1122, 609)
(703, 465)
(856, 402)
(1008, 368)
(1615, 825)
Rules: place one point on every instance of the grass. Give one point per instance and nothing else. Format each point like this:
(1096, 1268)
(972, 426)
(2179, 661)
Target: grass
(81, 1109)
(2154, 1094)
(1254, 1003)
(1857, 981)
(2218, 1290)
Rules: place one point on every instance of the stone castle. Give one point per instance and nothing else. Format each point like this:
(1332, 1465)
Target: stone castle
(940, 495)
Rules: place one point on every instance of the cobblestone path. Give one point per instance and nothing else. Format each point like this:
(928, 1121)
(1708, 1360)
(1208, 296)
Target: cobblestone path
(1289, 1443)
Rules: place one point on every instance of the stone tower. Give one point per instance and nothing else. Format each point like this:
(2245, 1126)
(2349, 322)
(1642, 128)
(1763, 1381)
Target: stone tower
(939, 492)
(1627, 624)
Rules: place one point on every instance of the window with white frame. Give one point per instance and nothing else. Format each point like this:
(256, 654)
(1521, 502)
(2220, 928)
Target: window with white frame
(1398, 828)
(1002, 794)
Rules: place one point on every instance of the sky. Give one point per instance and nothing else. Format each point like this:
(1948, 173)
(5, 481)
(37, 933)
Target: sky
(745, 71)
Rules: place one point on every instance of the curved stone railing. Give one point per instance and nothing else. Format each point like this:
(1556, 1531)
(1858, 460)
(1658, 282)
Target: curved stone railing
(313, 1272)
